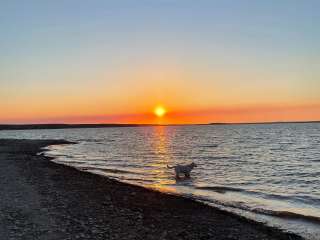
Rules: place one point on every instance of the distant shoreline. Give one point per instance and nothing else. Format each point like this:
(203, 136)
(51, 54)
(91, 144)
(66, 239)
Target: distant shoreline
(64, 126)
(113, 125)
(277, 122)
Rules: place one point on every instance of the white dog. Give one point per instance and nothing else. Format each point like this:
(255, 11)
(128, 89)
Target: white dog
(185, 169)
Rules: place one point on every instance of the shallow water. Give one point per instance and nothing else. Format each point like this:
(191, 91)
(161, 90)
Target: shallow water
(267, 172)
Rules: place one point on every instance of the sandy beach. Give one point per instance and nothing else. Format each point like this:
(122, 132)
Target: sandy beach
(44, 200)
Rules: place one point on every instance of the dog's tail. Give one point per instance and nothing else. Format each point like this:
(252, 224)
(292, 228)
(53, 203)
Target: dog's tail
(169, 166)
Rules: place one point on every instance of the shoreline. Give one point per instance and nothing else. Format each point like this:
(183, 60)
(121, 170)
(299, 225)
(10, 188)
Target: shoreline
(46, 200)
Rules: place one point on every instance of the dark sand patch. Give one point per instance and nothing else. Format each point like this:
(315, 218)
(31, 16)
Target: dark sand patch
(43, 200)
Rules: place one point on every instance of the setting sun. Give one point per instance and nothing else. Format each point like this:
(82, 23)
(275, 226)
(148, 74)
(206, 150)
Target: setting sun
(160, 111)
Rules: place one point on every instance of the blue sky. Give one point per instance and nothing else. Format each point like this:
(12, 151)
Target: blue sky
(268, 50)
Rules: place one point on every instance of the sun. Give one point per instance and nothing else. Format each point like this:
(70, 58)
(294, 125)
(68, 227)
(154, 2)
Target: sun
(160, 111)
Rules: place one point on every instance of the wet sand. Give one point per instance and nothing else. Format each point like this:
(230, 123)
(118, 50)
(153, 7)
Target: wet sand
(43, 200)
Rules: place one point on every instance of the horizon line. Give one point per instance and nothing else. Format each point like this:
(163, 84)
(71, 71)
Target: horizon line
(105, 125)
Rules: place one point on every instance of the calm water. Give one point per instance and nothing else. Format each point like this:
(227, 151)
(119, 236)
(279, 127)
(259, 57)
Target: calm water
(270, 173)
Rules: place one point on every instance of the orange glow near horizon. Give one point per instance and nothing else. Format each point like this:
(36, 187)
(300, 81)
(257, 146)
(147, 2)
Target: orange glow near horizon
(161, 93)
(240, 114)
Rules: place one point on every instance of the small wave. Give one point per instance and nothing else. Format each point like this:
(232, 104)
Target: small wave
(286, 214)
(315, 160)
(56, 155)
(262, 211)
(209, 145)
(220, 189)
(70, 162)
(245, 207)
(302, 148)
(259, 194)
(107, 170)
(88, 140)
(139, 180)
(103, 141)
(217, 157)
(287, 143)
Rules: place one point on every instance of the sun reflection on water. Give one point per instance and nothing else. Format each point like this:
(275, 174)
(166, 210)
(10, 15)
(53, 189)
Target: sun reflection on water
(159, 170)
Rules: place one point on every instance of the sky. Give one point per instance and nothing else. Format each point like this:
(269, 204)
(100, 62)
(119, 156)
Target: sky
(203, 61)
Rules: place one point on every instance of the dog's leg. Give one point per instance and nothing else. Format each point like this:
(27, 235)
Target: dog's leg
(177, 175)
